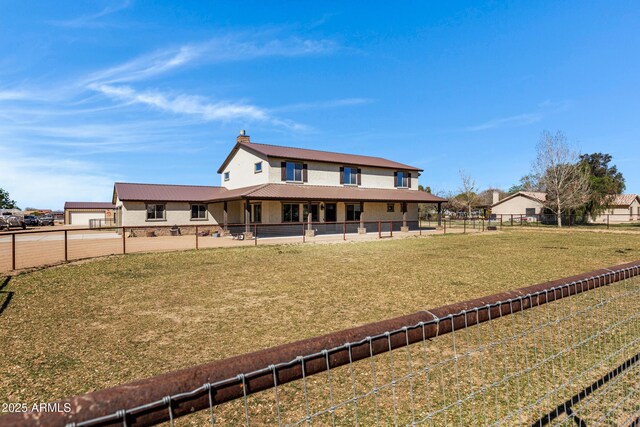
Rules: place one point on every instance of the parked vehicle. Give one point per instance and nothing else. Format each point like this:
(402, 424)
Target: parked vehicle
(45, 220)
(8, 220)
(31, 220)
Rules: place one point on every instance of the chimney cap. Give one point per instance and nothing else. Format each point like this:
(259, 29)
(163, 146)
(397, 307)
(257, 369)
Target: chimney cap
(242, 132)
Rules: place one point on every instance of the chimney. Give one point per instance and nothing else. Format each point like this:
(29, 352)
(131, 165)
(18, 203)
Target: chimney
(243, 137)
(496, 196)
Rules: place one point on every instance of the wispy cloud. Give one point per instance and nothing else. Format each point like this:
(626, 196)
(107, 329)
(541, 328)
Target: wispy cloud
(93, 20)
(332, 103)
(518, 120)
(228, 48)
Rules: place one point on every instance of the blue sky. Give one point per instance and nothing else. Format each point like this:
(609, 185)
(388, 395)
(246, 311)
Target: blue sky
(140, 91)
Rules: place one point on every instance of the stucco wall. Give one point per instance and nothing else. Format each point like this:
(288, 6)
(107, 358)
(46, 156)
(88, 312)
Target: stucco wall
(135, 214)
(621, 214)
(517, 205)
(241, 170)
(329, 174)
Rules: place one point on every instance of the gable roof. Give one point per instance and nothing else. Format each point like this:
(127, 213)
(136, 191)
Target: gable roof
(89, 205)
(624, 199)
(315, 155)
(536, 196)
(165, 193)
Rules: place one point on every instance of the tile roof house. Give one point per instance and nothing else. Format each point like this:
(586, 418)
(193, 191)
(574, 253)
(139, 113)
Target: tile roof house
(272, 184)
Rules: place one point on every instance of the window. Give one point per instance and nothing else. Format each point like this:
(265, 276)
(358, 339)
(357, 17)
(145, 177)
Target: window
(402, 179)
(256, 212)
(314, 213)
(294, 172)
(351, 176)
(290, 212)
(391, 207)
(155, 212)
(530, 211)
(198, 212)
(257, 168)
(226, 176)
(353, 212)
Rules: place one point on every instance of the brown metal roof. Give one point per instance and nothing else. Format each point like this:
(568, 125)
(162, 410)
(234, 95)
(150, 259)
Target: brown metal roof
(89, 205)
(624, 199)
(316, 155)
(533, 195)
(319, 192)
(166, 193)
(191, 193)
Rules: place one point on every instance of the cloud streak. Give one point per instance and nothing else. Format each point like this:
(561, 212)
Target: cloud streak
(518, 120)
(92, 20)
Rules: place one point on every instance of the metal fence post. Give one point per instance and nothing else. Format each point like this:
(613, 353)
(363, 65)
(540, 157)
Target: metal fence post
(303, 236)
(344, 230)
(255, 234)
(379, 230)
(445, 226)
(66, 257)
(13, 251)
(391, 228)
(512, 220)
(124, 241)
(464, 225)
(500, 221)
(483, 225)
(196, 237)
(607, 221)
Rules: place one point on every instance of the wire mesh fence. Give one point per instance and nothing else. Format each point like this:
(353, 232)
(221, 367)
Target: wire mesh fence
(561, 353)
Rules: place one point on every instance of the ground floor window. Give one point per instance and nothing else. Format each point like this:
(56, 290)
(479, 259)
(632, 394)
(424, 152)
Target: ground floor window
(314, 212)
(198, 212)
(290, 212)
(353, 212)
(256, 212)
(155, 212)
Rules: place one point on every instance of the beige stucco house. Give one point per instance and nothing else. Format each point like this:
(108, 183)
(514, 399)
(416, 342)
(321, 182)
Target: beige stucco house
(624, 208)
(269, 184)
(526, 203)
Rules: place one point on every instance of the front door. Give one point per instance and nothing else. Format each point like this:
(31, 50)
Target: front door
(330, 212)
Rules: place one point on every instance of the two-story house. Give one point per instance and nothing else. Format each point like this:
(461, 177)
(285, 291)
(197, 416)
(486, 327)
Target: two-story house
(271, 184)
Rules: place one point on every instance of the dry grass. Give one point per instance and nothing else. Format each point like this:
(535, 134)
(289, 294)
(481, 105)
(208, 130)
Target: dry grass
(77, 328)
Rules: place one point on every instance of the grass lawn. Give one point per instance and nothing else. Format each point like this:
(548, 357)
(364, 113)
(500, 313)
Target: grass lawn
(77, 328)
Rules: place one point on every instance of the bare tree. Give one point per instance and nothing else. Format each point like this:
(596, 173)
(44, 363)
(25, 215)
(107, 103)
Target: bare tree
(560, 175)
(468, 192)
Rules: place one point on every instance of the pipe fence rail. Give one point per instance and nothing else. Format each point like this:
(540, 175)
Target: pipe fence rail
(42, 247)
(559, 353)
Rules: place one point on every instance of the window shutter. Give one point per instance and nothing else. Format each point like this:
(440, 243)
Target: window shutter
(395, 179)
(305, 175)
(409, 180)
(283, 171)
(359, 176)
(341, 174)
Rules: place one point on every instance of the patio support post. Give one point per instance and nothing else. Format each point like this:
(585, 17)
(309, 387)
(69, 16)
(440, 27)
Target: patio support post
(224, 216)
(247, 216)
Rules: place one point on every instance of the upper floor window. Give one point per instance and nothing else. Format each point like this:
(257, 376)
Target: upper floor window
(403, 179)
(226, 176)
(294, 172)
(198, 212)
(155, 212)
(349, 176)
(257, 167)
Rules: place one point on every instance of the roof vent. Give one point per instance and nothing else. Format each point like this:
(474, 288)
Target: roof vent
(243, 137)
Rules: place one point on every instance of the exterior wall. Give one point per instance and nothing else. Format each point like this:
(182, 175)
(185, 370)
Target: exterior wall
(98, 214)
(134, 214)
(517, 205)
(320, 173)
(242, 173)
(621, 214)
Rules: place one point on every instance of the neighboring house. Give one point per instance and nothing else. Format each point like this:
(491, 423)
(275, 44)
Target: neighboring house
(80, 213)
(526, 203)
(623, 208)
(272, 184)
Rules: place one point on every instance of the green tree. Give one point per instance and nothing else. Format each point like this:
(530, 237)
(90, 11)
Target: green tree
(5, 201)
(605, 181)
(527, 183)
(423, 188)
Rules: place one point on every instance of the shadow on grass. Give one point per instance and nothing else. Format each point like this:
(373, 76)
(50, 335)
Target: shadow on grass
(9, 294)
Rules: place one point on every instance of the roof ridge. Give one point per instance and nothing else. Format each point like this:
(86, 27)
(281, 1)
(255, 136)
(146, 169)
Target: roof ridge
(173, 185)
(249, 144)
